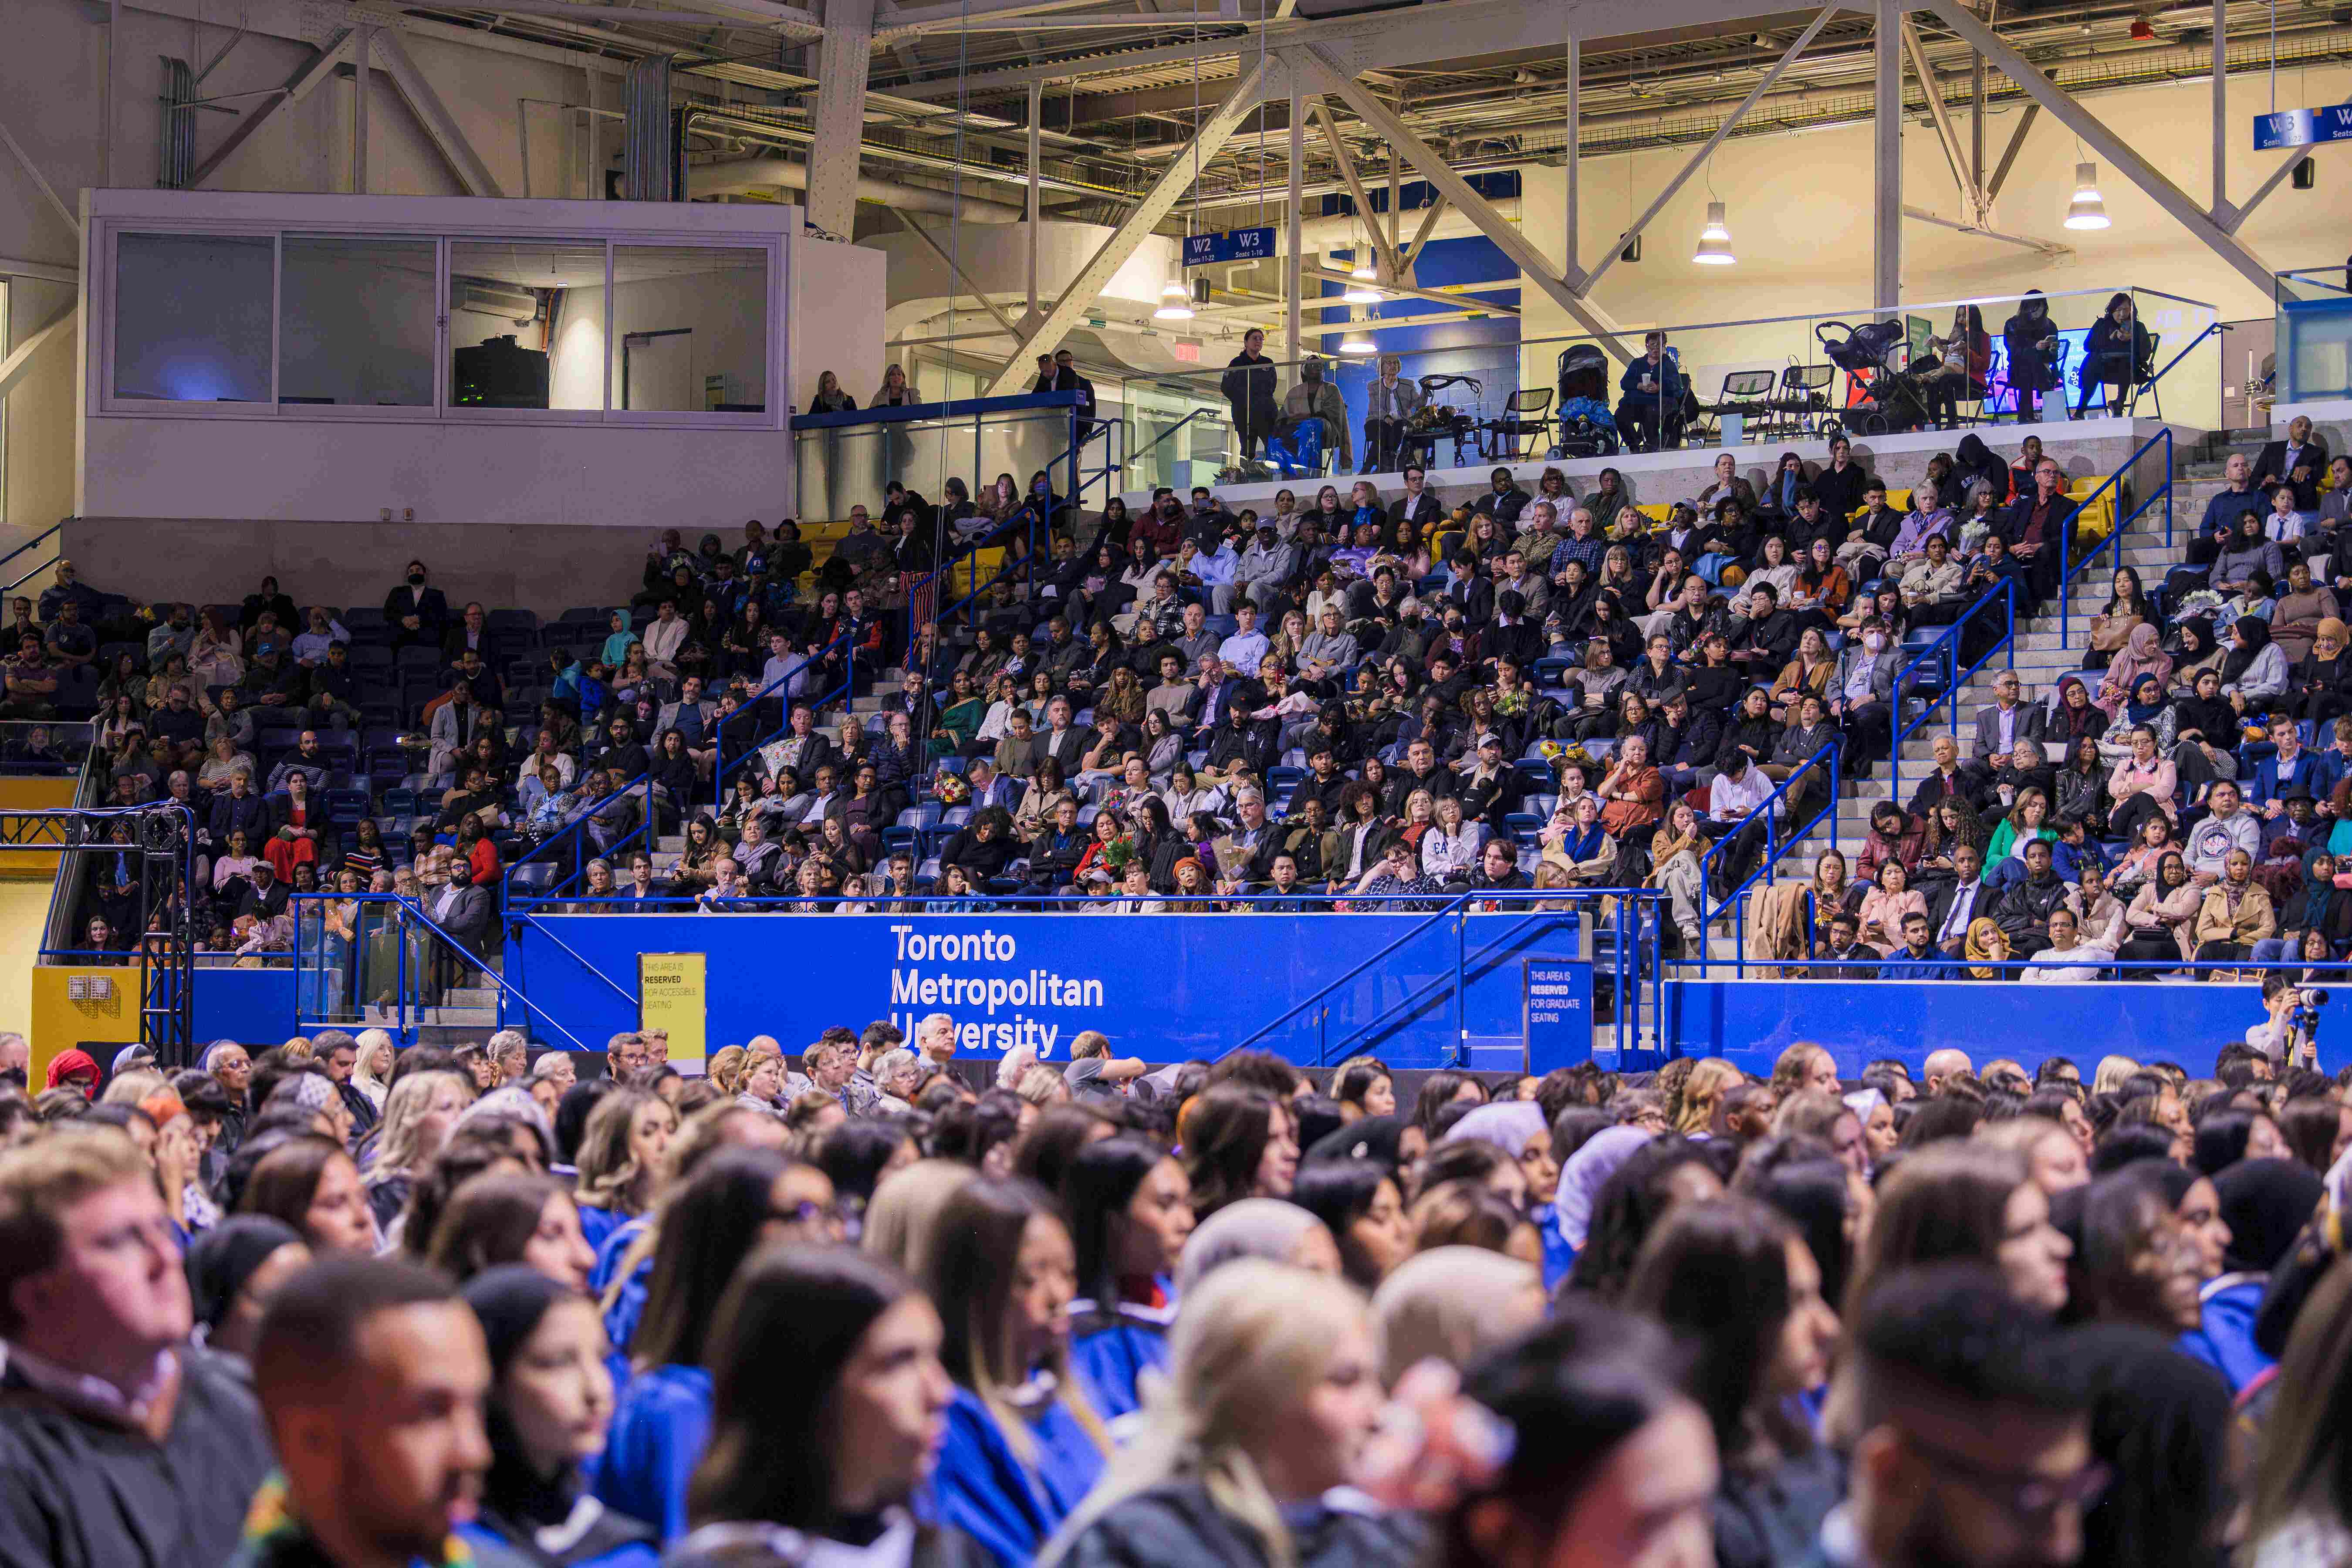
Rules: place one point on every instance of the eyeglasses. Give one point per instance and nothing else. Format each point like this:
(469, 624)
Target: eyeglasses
(2028, 1495)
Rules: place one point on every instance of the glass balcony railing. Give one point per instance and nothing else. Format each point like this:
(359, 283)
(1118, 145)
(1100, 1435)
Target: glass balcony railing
(2313, 336)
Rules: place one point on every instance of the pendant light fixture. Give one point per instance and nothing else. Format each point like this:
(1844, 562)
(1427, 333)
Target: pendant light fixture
(1361, 278)
(1355, 340)
(1175, 302)
(1713, 240)
(2088, 209)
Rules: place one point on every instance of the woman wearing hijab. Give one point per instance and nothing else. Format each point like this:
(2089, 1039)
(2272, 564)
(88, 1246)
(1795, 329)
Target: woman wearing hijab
(233, 1270)
(1519, 1127)
(1394, 1143)
(2254, 672)
(2320, 686)
(74, 1069)
(1987, 945)
(1255, 1227)
(549, 1406)
(2143, 655)
(1581, 1181)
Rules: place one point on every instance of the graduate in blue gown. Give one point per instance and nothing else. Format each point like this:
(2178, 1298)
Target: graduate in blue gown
(547, 1364)
(621, 1154)
(735, 1201)
(1519, 1130)
(1130, 1208)
(2265, 1204)
(820, 1453)
(1024, 1442)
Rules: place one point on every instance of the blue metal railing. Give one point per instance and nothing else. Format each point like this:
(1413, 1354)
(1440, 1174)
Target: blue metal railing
(2068, 567)
(1775, 845)
(404, 913)
(721, 767)
(566, 838)
(1945, 649)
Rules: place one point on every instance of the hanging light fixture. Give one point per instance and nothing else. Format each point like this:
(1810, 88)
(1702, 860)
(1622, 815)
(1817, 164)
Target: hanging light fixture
(1713, 240)
(1355, 340)
(1359, 289)
(2088, 209)
(1175, 302)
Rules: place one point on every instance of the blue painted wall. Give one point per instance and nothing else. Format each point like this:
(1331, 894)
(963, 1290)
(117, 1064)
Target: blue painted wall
(1751, 1022)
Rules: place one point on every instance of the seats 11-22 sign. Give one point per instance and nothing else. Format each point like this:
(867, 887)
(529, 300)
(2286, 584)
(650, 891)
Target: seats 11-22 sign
(1239, 245)
(2303, 127)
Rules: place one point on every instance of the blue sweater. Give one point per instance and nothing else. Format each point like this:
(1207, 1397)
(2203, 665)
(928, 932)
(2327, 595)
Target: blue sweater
(658, 1434)
(982, 1489)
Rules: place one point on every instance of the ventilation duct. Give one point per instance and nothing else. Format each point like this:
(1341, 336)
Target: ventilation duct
(177, 151)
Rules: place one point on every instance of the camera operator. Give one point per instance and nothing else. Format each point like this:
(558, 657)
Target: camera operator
(2288, 1036)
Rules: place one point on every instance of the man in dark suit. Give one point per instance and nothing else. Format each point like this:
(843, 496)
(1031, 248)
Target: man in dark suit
(418, 613)
(2007, 719)
(469, 915)
(1955, 904)
(1418, 505)
(2040, 529)
(1061, 740)
(2299, 460)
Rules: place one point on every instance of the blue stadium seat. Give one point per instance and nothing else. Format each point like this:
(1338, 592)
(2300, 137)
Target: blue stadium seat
(345, 807)
(416, 657)
(924, 815)
(366, 656)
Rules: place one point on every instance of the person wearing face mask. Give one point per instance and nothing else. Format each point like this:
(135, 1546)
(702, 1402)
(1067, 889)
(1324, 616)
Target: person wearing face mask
(419, 614)
(1861, 694)
(549, 1406)
(1273, 1396)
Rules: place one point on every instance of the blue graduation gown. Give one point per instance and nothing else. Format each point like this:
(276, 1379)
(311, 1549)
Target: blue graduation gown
(1108, 1351)
(1558, 1258)
(629, 1307)
(2224, 1341)
(597, 1225)
(982, 1489)
(658, 1434)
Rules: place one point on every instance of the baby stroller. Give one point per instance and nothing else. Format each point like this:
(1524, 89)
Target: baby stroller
(1587, 427)
(1881, 398)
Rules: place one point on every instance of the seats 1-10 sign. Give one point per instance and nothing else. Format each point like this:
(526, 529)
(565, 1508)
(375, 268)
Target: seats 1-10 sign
(1239, 245)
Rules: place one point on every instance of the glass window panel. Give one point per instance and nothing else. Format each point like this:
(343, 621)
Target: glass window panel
(356, 322)
(527, 323)
(690, 328)
(192, 318)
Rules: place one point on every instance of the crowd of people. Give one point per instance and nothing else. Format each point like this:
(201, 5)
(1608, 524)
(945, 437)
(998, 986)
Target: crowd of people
(1360, 702)
(338, 1304)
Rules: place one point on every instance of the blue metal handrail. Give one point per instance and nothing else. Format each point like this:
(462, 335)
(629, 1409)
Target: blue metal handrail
(407, 909)
(2068, 568)
(721, 767)
(573, 827)
(1773, 847)
(2212, 328)
(1946, 647)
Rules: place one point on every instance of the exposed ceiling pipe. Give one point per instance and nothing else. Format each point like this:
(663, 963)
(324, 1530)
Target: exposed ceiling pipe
(738, 174)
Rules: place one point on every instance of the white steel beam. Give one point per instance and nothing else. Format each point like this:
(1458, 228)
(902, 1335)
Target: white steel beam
(1698, 159)
(1326, 74)
(1386, 253)
(2055, 252)
(2111, 148)
(1429, 222)
(907, 21)
(843, 59)
(440, 126)
(360, 110)
(1570, 178)
(956, 267)
(2221, 108)
(1080, 293)
(20, 358)
(1942, 118)
(320, 68)
(2233, 217)
(2008, 154)
(1886, 159)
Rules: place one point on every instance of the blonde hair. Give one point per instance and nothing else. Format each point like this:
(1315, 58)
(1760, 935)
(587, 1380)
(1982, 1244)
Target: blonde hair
(1703, 1090)
(1447, 1303)
(729, 1066)
(399, 1148)
(1248, 1344)
(2113, 1071)
(907, 1207)
(2019, 1135)
(130, 1088)
(1040, 1085)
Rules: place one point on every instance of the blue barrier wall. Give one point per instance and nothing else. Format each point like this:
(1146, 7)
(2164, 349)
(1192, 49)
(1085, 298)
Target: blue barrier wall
(1751, 1022)
(254, 1005)
(1188, 985)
